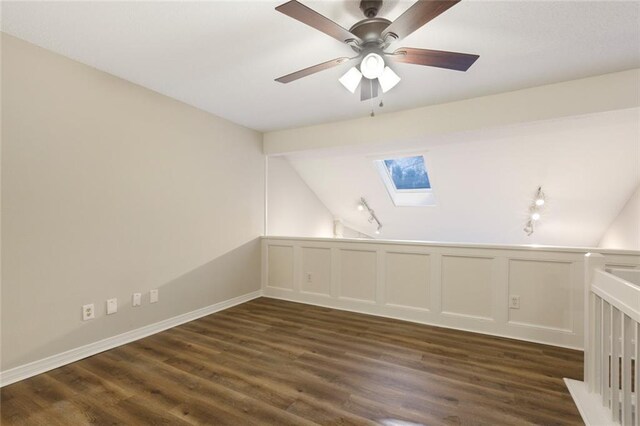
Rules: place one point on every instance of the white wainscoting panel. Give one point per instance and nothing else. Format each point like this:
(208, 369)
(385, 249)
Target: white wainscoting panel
(408, 280)
(545, 288)
(317, 262)
(467, 286)
(280, 267)
(460, 286)
(358, 273)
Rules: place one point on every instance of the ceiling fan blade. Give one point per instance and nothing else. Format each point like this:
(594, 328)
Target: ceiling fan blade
(302, 13)
(312, 70)
(434, 58)
(368, 89)
(417, 15)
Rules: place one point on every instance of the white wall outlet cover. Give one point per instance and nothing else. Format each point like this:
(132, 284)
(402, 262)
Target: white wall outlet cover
(137, 299)
(88, 312)
(112, 306)
(514, 302)
(153, 296)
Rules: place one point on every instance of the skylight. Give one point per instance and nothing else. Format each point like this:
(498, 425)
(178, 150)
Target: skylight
(408, 173)
(406, 180)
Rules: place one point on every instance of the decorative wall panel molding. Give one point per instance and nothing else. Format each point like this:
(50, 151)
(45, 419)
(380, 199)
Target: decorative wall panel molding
(281, 267)
(466, 287)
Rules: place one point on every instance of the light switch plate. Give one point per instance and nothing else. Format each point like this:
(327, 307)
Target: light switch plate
(112, 306)
(137, 299)
(153, 296)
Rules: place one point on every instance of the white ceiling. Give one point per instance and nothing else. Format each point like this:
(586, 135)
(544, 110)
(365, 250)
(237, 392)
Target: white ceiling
(223, 56)
(485, 181)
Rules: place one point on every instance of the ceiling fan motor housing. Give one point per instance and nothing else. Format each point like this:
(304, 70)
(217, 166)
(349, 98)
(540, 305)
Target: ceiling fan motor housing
(370, 30)
(370, 8)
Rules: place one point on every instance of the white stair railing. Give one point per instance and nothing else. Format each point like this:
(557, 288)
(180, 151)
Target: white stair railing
(611, 370)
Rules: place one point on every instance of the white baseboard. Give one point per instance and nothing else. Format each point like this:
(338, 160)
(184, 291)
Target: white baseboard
(37, 367)
(589, 404)
(402, 314)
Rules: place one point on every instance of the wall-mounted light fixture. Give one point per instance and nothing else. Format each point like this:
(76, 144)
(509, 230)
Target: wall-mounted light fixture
(535, 211)
(362, 206)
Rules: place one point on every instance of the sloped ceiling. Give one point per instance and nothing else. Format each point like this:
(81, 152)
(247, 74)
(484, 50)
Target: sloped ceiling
(485, 181)
(223, 56)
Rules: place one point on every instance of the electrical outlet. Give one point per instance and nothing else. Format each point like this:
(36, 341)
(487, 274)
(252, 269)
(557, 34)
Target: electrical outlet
(112, 306)
(153, 296)
(88, 312)
(137, 299)
(308, 277)
(514, 302)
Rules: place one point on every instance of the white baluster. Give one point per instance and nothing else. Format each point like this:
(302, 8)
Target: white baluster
(636, 379)
(605, 369)
(616, 322)
(627, 350)
(595, 383)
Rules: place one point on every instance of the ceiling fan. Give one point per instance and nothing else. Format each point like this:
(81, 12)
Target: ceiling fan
(370, 37)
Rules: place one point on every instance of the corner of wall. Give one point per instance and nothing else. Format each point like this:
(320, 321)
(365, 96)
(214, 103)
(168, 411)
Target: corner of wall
(624, 231)
(294, 210)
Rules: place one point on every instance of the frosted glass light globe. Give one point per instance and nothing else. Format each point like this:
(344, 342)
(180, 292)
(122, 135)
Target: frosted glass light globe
(351, 79)
(372, 66)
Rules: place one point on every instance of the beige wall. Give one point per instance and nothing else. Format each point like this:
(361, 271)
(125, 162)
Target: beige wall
(451, 285)
(624, 231)
(293, 209)
(608, 92)
(109, 189)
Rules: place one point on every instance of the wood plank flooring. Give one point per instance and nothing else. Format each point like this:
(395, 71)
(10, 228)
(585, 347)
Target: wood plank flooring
(281, 363)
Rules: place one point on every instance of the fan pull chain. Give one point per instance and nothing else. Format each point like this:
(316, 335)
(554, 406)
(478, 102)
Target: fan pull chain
(380, 105)
(373, 100)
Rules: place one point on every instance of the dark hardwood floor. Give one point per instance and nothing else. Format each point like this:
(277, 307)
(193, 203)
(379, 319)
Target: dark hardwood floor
(274, 362)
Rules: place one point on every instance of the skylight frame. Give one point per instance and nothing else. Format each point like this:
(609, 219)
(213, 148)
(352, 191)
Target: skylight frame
(414, 197)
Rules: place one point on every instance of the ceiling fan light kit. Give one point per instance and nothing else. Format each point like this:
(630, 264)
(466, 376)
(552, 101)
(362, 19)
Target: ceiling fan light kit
(388, 79)
(370, 37)
(372, 66)
(351, 79)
